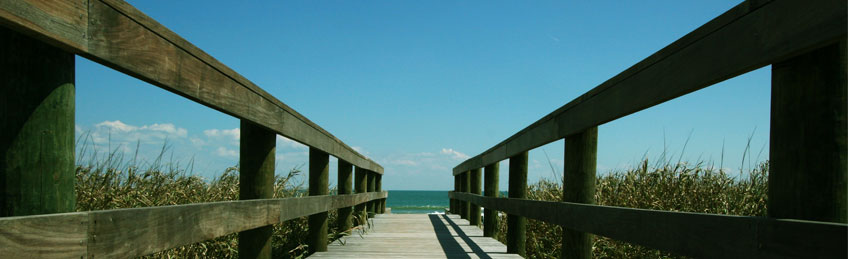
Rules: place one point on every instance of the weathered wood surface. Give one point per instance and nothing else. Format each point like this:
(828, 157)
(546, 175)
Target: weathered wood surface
(319, 167)
(690, 234)
(490, 184)
(115, 34)
(140, 231)
(257, 148)
(808, 150)
(417, 236)
(749, 36)
(579, 164)
(37, 127)
(516, 224)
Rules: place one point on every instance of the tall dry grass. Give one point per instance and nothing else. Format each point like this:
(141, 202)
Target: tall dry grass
(672, 187)
(108, 181)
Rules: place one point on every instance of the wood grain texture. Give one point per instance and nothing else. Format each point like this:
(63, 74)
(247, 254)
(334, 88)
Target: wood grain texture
(579, 166)
(257, 147)
(62, 24)
(749, 36)
(141, 231)
(417, 236)
(37, 127)
(690, 234)
(44, 236)
(115, 34)
(808, 153)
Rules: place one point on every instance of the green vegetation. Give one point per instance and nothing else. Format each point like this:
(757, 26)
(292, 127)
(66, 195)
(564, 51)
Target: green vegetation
(110, 183)
(671, 187)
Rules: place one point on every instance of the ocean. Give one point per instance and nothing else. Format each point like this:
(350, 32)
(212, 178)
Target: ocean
(417, 202)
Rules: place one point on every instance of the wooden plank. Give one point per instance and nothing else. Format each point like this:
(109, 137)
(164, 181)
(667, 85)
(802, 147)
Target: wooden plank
(516, 225)
(257, 147)
(372, 186)
(580, 162)
(141, 231)
(490, 189)
(44, 236)
(60, 23)
(747, 37)
(115, 34)
(37, 127)
(474, 187)
(808, 171)
(417, 236)
(360, 185)
(688, 234)
(345, 186)
(319, 167)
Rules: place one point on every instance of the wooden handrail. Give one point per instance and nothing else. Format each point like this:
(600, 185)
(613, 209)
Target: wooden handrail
(805, 41)
(117, 35)
(141, 231)
(690, 234)
(746, 37)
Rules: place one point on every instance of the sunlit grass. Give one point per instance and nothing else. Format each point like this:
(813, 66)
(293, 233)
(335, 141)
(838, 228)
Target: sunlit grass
(108, 181)
(669, 186)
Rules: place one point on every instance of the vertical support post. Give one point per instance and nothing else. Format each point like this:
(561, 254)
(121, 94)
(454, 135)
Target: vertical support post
(360, 183)
(490, 189)
(381, 205)
(474, 182)
(37, 130)
(453, 206)
(579, 187)
(345, 218)
(319, 163)
(463, 187)
(257, 146)
(807, 151)
(372, 185)
(517, 225)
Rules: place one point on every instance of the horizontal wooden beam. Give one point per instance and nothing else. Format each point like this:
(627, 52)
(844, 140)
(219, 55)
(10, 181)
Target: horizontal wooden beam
(689, 234)
(116, 34)
(749, 36)
(136, 232)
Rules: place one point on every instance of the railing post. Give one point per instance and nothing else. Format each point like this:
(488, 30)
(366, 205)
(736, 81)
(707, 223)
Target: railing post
(37, 134)
(807, 156)
(381, 203)
(466, 188)
(490, 184)
(319, 162)
(453, 202)
(372, 185)
(516, 225)
(360, 183)
(345, 217)
(463, 187)
(256, 181)
(474, 211)
(579, 187)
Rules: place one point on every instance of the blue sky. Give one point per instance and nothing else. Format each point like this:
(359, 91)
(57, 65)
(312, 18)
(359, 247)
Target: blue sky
(419, 86)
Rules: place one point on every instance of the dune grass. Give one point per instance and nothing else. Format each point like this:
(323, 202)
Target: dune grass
(668, 186)
(108, 181)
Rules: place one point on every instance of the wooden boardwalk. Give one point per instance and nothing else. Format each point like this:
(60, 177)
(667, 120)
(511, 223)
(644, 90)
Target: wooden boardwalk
(418, 236)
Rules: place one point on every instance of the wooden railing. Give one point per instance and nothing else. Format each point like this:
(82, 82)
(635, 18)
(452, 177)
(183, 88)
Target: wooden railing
(804, 41)
(38, 41)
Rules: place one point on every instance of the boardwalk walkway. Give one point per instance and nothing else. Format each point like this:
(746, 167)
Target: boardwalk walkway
(418, 236)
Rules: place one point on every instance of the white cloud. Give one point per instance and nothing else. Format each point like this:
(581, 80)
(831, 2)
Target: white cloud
(166, 128)
(117, 125)
(225, 152)
(118, 133)
(406, 162)
(454, 154)
(231, 135)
